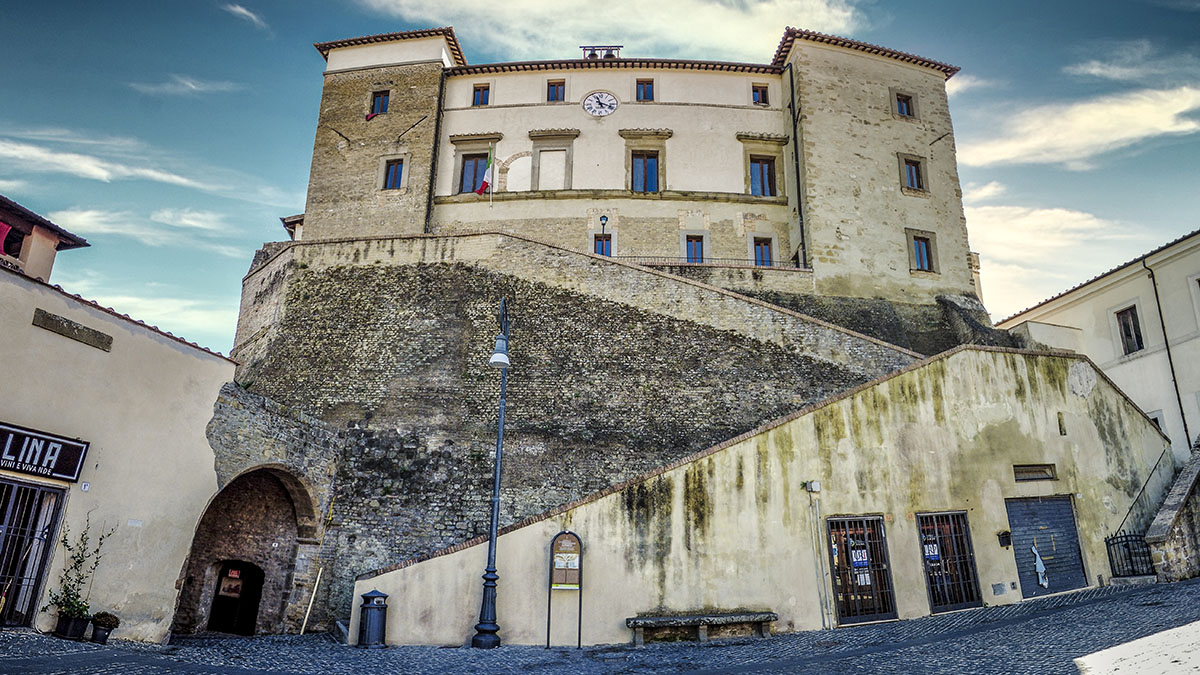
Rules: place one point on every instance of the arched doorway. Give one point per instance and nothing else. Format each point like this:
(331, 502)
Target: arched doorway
(239, 572)
(236, 597)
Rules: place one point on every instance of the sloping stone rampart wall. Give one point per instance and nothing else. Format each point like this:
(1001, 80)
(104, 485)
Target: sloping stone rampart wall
(616, 370)
(1174, 535)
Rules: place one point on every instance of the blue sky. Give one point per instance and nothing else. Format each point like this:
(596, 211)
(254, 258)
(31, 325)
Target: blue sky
(173, 135)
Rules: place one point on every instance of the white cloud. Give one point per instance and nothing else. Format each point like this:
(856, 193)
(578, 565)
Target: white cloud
(960, 83)
(39, 158)
(1029, 254)
(700, 29)
(1072, 134)
(243, 13)
(124, 224)
(975, 193)
(1138, 60)
(109, 158)
(191, 218)
(182, 85)
(12, 185)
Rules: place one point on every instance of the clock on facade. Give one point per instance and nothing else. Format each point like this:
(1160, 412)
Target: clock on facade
(600, 103)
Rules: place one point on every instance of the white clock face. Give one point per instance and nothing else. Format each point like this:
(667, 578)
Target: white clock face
(600, 103)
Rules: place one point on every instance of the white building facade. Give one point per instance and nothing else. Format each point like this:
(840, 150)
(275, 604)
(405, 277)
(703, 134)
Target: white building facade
(1140, 323)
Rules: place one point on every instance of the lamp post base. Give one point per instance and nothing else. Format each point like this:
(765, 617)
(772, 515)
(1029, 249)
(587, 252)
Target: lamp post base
(486, 640)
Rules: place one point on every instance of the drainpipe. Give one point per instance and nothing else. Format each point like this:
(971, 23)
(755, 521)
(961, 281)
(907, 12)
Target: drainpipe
(792, 112)
(1170, 361)
(437, 143)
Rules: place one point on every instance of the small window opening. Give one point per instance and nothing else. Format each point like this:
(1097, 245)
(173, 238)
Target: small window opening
(758, 94)
(481, 95)
(379, 102)
(645, 90)
(1027, 472)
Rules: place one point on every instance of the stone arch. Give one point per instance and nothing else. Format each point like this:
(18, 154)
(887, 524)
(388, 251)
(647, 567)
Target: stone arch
(263, 516)
(502, 171)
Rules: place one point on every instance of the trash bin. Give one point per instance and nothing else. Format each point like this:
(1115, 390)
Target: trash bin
(372, 622)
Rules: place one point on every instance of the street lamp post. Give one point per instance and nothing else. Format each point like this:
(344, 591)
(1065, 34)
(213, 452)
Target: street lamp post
(486, 629)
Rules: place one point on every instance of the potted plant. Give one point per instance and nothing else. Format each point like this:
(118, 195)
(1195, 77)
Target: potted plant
(70, 599)
(103, 624)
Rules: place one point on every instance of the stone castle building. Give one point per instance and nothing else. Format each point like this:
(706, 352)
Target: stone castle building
(748, 353)
(690, 249)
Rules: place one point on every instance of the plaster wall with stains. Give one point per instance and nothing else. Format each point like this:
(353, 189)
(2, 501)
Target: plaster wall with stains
(734, 528)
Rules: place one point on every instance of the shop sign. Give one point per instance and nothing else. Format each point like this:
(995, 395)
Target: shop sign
(38, 453)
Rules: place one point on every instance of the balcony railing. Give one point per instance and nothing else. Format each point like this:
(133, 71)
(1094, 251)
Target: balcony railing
(657, 260)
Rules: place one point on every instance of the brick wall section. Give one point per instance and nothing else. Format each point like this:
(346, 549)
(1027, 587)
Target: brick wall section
(251, 520)
(1174, 535)
(344, 195)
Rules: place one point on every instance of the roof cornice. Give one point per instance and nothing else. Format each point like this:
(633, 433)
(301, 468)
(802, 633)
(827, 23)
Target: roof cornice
(645, 64)
(792, 34)
(446, 32)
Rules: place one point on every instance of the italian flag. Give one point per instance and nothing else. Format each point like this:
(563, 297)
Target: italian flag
(487, 175)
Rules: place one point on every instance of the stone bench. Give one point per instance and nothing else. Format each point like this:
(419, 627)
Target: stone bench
(759, 620)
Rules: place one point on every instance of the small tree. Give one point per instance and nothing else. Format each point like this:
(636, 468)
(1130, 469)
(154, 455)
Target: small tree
(75, 584)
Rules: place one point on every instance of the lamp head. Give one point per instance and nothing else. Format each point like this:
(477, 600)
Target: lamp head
(500, 354)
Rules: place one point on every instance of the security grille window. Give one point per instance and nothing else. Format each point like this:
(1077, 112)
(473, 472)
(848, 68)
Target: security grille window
(392, 173)
(481, 95)
(645, 90)
(379, 102)
(1027, 472)
(922, 254)
(950, 572)
(762, 176)
(556, 90)
(645, 172)
(474, 168)
(912, 174)
(904, 106)
(758, 94)
(602, 244)
(1131, 332)
(695, 248)
(29, 518)
(862, 579)
(762, 251)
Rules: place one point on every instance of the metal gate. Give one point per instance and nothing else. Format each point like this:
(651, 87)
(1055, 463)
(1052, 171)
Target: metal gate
(28, 526)
(862, 579)
(1045, 525)
(949, 561)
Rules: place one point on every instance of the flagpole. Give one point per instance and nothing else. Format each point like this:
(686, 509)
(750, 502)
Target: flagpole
(492, 165)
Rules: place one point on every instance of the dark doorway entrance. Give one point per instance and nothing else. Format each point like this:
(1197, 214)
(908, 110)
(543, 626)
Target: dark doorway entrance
(949, 561)
(235, 599)
(1047, 525)
(28, 528)
(862, 578)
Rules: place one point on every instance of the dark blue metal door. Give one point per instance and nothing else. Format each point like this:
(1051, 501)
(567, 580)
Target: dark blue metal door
(1046, 545)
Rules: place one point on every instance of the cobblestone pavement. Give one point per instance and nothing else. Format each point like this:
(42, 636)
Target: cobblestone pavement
(1039, 636)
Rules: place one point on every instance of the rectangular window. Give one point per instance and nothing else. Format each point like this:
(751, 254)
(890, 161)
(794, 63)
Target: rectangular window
(379, 102)
(762, 176)
(762, 251)
(1131, 332)
(482, 92)
(904, 106)
(556, 90)
(392, 173)
(1026, 472)
(645, 172)
(645, 90)
(474, 168)
(912, 174)
(922, 254)
(695, 248)
(758, 94)
(602, 244)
